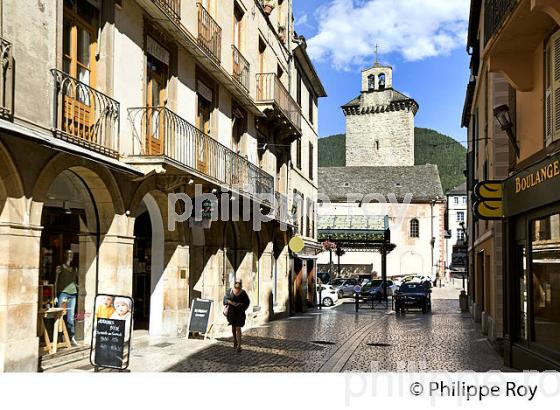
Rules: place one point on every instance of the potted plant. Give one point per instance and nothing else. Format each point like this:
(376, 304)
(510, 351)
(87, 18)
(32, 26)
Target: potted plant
(268, 6)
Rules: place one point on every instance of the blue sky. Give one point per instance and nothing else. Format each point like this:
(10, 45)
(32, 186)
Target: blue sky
(424, 41)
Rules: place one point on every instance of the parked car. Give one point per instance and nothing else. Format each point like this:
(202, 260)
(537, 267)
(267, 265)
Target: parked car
(414, 295)
(328, 294)
(325, 277)
(344, 286)
(373, 289)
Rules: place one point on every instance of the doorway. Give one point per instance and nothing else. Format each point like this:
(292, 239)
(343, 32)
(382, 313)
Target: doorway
(148, 267)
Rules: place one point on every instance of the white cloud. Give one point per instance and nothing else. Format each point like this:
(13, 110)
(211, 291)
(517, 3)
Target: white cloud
(416, 29)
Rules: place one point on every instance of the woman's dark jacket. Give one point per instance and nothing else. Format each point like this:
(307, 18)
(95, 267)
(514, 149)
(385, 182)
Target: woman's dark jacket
(236, 314)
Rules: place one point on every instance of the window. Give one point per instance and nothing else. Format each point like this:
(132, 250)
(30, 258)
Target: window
(311, 103)
(460, 216)
(464, 200)
(78, 40)
(237, 26)
(371, 82)
(456, 200)
(414, 228)
(546, 281)
(311, 155)
(552, 89)
(377, 145)
(298, 154)
(460, 235)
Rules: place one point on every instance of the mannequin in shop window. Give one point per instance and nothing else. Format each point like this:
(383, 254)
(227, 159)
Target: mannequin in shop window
(66, 285)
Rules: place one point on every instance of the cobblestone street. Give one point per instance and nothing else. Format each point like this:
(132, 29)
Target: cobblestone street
(335, 340)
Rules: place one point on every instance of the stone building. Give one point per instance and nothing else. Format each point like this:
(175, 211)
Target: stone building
(107, 108)
(380, 179)
(457, 228)
(512, 112)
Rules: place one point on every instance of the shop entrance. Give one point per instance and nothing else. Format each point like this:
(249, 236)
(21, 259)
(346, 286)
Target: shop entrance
(148, 266)
(69, 244)
(142, 267)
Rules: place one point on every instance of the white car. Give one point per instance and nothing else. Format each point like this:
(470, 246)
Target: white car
(328, 294)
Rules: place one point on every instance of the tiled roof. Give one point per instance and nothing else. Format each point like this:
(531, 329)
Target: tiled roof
(459, 190)
(422, 181)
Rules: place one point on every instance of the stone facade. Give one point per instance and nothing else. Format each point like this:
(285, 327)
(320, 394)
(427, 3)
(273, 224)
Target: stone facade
(71, 179)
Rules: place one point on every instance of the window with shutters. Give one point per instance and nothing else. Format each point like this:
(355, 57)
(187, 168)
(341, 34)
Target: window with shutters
(552, 92)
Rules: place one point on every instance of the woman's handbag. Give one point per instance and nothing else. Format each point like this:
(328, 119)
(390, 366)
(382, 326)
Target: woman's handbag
(226, 306)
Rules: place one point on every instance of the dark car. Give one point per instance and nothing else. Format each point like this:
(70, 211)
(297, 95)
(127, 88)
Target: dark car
(373, 289)
(414, 295)
(344, 286)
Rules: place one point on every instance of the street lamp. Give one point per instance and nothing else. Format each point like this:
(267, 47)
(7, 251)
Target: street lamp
(503, 116)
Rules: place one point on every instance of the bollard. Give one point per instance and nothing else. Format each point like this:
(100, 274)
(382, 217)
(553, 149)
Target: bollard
(463, 301)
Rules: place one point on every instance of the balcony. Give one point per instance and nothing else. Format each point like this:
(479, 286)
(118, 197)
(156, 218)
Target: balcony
(240, 69)
(209, 33)
(85, 116)
(159, 132)
(495, 12)
(278, 104)
(6, 79)
(171, 7)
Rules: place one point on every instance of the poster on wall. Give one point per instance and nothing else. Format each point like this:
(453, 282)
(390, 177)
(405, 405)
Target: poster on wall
(112, 329)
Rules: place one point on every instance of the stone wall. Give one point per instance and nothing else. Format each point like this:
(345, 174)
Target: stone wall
(380, 139)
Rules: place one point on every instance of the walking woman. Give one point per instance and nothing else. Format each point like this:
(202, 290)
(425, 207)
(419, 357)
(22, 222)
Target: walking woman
(236, 302)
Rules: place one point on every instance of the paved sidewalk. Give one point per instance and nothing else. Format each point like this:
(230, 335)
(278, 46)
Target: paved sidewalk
(333, 340)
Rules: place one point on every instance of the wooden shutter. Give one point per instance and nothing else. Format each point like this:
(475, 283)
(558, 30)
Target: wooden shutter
(555, 83)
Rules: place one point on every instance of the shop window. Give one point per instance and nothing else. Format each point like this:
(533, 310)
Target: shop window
(545, 254)
(414, 228)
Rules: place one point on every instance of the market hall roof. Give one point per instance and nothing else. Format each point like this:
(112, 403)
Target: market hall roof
(356, 231)
(422, 181)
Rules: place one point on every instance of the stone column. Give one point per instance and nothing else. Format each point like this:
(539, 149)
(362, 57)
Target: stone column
(19, 281)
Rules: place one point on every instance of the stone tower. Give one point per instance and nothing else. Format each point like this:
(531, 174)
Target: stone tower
(380, 122)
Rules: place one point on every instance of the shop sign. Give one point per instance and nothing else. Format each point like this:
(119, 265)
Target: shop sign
(200, 316)
(112, 328)
(489, 200)
(533, 187)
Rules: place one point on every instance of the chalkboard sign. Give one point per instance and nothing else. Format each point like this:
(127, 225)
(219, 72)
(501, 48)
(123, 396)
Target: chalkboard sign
(200, 315)
(109, 343)
(112, 327)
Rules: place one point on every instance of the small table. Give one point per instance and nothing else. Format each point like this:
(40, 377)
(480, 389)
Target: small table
(59, 326)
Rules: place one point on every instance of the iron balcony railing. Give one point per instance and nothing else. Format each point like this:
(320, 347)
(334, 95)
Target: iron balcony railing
(171, 7)
(209, 33)
(6, 79)
(160, 132)
(270, 90)
(85, 116)
(495, 12)
(240, 68)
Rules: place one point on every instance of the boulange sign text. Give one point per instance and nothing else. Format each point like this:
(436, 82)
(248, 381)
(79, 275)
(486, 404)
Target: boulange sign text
(542, 174)
(533, 187)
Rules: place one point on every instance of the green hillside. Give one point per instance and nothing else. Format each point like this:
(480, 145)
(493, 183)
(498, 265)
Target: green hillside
(431, 147)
